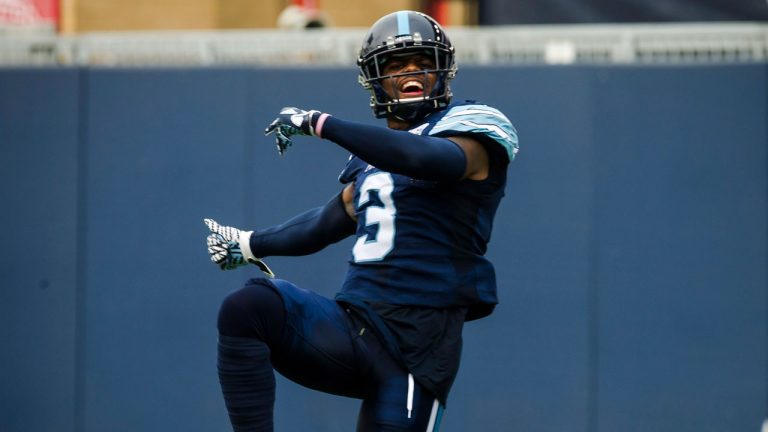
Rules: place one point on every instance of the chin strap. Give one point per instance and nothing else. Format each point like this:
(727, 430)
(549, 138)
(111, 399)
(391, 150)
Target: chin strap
(410, 112)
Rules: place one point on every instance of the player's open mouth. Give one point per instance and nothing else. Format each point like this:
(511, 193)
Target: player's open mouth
(412, 88)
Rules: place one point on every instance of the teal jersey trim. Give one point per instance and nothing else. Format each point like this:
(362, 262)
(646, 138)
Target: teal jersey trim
(479, 119)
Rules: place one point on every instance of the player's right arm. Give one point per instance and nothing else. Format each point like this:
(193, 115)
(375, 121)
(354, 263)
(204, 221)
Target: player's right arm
(304, 234)
(348, 197)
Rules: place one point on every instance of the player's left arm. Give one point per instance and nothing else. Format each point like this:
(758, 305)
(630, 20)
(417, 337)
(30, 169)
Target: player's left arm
(304, 234)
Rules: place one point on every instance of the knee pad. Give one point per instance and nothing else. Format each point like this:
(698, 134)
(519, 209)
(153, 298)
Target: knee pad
(254, 311)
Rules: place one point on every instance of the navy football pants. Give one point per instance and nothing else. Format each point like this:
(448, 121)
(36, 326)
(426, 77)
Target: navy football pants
(313, 341)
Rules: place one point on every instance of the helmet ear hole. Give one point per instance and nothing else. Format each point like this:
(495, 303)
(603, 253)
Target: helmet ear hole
(406, 33)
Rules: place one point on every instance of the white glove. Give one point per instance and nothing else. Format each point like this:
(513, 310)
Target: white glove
(230, 248)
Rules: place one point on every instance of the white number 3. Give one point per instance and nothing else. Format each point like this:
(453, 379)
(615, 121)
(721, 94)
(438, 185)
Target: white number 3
(375, 249)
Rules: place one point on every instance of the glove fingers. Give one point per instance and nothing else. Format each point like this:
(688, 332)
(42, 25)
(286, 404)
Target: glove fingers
(226, 252)
(272, 126)
(217, 248)
(211, 224)
(282, 140)
(227, 233)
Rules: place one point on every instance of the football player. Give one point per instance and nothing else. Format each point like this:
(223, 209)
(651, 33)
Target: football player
(420, 197)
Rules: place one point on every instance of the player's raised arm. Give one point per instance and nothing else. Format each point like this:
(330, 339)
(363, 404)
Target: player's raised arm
(401, 152)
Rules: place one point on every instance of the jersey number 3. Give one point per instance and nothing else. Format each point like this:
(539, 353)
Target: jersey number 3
(375, 249)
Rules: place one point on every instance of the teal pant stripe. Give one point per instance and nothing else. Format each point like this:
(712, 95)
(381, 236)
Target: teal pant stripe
(438, 418)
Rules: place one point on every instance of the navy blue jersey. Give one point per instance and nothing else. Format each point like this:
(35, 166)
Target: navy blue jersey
(422, 243)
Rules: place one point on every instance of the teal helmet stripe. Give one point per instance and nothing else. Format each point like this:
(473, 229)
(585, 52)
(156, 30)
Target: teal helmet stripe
(403, 26)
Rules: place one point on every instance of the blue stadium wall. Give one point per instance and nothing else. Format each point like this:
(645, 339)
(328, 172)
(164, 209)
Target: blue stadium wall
(631, 247)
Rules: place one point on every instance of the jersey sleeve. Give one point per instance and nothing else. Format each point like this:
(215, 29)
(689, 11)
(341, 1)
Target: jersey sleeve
(478, 119)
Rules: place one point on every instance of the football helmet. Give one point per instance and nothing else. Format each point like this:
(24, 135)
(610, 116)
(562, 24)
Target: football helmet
(406, 33)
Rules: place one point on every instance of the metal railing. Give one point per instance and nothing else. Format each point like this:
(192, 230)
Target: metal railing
(551, 44)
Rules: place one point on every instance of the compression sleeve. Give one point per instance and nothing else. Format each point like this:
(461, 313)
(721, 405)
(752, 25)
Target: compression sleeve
(306, 233)
(400, 152)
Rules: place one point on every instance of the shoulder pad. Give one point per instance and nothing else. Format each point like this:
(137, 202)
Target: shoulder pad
(478, 119)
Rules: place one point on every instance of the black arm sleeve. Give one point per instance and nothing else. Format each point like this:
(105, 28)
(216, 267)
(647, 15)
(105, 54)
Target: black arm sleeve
(400, 152)
(306, 233)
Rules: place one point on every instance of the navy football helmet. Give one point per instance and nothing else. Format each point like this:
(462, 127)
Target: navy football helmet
(400, 34)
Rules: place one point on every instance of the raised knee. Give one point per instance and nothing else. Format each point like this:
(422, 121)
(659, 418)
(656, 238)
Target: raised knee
(252, 311)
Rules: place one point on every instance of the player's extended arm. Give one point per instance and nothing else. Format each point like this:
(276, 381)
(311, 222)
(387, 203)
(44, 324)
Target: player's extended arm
(304, 234)
(422, 157)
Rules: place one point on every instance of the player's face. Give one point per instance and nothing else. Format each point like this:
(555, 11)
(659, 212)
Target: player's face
(408, 83)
